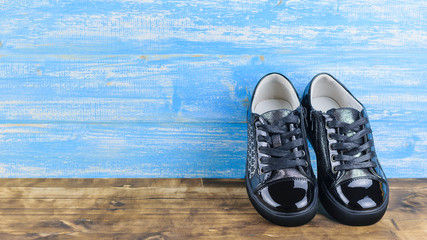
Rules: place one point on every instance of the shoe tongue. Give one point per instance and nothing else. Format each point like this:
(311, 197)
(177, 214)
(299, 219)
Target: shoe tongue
(275, 115)
(271, 117)
(347, 115)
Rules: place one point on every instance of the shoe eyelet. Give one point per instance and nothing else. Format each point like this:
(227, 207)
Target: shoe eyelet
(330, 148)
(334, 171)
(329, 136)
(261, 170)
(333, 157)
(303, 153)
(306, 164)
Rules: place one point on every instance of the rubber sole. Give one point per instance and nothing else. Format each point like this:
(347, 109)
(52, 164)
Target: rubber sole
(348, 216)
(281, 218)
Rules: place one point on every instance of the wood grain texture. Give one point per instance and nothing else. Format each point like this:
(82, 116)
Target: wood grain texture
(180, 209)
(122, 150)
(119, 69)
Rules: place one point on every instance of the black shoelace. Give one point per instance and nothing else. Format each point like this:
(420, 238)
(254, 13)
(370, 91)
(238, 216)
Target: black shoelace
(284, 139)
(353, 150)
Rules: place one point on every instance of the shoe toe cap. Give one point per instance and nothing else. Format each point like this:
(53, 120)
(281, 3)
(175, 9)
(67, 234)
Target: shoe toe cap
(287, 195)
(361, 194)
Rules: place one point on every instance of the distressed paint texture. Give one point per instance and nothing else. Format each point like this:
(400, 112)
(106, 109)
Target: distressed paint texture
(160, 88)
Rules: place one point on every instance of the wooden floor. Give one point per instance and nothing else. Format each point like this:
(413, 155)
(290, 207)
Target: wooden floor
(180, 209)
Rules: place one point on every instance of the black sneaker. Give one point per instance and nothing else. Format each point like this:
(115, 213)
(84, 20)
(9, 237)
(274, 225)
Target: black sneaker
(279, 179)
(353, 187)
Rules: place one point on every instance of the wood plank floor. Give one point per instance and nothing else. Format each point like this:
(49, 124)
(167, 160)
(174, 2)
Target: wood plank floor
(180, 209)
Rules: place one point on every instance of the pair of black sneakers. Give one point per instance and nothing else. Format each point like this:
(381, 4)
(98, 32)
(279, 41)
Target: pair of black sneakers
(280, 182)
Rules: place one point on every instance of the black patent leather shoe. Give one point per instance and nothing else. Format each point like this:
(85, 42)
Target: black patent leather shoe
(279, 179)
(352, 185)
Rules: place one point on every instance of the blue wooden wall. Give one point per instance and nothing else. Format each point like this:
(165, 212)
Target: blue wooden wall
(155, 88)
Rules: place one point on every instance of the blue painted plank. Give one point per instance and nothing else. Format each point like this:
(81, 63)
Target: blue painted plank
(161, 150)
(122, 150)
(121, 69)
(173, 27)
(192, 88)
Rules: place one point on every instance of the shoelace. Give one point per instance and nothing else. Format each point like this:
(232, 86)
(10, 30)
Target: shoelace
(284, 138)
(352, 150)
